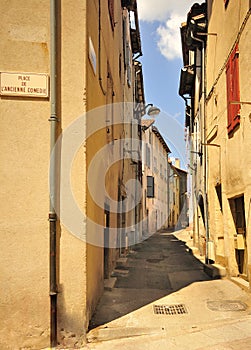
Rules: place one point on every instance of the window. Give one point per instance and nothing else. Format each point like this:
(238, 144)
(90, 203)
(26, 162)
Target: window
(111, 12)
(134, 141)
(233, 90)
(109, 107)
(148, 156)
(218, 190)
(128, 56)
(150, 187)
(161, 171)
(237, 206)
(120, 65)
(150, 137)
(155, 165)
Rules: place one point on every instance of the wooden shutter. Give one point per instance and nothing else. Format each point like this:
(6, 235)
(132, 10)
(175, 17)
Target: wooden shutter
(233, 90)
(236, 83)
(229, 90)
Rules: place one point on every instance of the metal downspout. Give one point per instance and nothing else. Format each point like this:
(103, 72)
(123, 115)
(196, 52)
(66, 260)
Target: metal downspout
(52, 214)
(203, 88)
(99, 50)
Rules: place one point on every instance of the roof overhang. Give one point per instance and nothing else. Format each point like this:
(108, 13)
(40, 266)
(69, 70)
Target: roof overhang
(160, 137)
(131, 6)
(139, 88)
(196, 23)
(185, 50)
(186, 81)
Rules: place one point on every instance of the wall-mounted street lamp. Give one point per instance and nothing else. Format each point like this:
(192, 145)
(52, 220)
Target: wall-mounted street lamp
(152, 110)
(149, 109)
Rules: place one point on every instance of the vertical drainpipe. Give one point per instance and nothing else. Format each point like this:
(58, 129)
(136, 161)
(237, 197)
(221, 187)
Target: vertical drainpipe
(168, 190)
(203, 86)
(52, 214)
(99, 49)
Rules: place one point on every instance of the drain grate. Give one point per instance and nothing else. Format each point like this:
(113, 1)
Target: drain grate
(177, 309)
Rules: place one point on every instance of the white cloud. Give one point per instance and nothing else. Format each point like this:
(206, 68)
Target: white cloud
(170, 14)
(160, 10)
(150, 10)
(169, 41)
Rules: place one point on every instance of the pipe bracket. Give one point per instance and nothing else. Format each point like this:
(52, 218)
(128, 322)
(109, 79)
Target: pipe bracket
(52, 217)
(53, 118)
(53, 293)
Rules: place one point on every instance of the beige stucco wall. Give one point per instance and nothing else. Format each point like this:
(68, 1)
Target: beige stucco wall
(105, 86)
(24, 144)
(72, 264)
(25, 155)
(230, 162)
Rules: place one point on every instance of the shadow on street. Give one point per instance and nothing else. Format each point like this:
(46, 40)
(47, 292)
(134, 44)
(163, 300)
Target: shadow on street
(157, 267)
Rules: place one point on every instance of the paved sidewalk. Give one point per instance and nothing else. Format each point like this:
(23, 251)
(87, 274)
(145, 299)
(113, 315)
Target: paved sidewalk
(196, 312)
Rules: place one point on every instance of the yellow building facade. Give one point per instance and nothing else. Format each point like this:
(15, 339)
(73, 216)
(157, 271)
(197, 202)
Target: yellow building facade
(214, 83)
(81, 91)
(178, 206)
(228, 127)
(156, 171)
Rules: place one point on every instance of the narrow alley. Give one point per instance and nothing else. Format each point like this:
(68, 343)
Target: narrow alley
(163, 299)
(125, 148)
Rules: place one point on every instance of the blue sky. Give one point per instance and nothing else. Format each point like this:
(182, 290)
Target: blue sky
(160, 21)
(161, 76)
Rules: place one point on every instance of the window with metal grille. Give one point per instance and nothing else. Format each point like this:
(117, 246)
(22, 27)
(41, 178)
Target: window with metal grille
(233, 90)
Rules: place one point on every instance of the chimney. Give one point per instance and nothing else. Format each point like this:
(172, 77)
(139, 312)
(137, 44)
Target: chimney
(177, 163)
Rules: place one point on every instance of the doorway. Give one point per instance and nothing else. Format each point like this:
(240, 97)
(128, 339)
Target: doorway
(238, 212)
